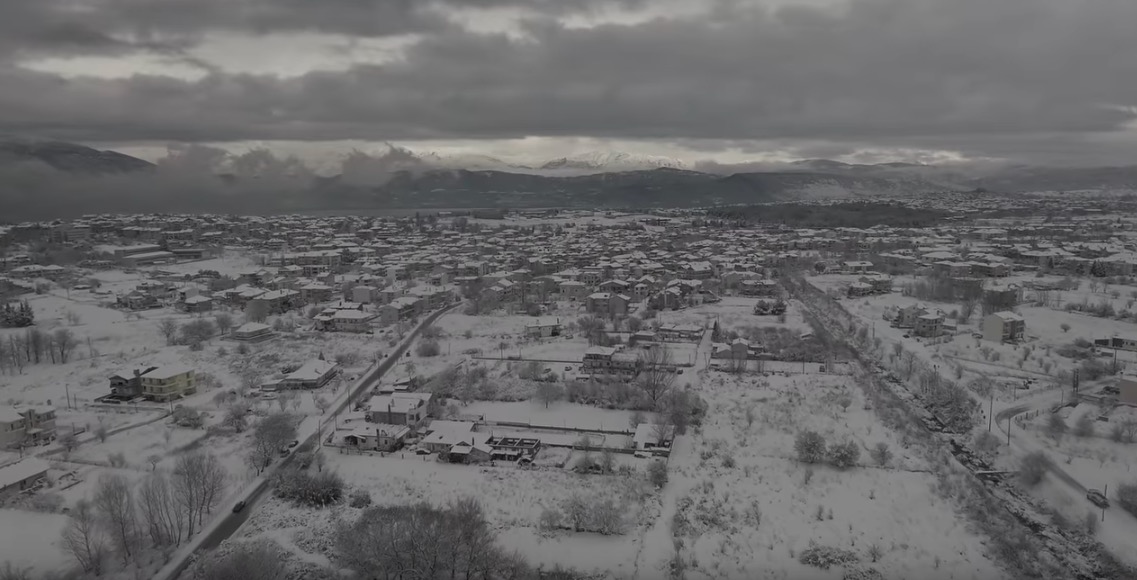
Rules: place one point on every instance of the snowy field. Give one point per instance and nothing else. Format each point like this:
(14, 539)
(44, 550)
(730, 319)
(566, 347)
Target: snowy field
(747, 508)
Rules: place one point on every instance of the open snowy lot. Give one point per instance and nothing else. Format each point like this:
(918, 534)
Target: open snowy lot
(741, 506)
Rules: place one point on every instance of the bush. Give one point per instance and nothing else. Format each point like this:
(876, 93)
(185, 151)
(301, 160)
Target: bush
(359, 499)
(1033, 468)
(1127, 497)
(1084, 426)
(810, 447)
(657, 473)
(882, 454)
(550, 520)
(428, 348)
(318, 490)
(862, 573)
(844, 455)
(825, 557)
(1055, 426)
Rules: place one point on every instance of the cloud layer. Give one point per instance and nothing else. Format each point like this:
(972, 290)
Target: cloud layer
(1036, 78)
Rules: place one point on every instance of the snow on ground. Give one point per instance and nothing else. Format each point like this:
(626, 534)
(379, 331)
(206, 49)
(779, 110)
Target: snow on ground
(30, 539)
(733, 313)
(751, 515)
(559, 414)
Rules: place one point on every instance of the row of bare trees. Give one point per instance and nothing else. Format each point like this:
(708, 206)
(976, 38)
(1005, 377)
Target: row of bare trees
(34, 347)
(166, 508)
(424, 542)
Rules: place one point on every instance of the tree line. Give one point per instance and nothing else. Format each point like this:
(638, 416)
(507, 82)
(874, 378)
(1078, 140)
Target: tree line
(164, 510)
(34, 347)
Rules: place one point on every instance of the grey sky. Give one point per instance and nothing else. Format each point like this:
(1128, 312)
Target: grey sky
(1035, 80)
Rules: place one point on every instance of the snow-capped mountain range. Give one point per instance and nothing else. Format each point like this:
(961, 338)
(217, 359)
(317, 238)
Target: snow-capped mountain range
(397, 158)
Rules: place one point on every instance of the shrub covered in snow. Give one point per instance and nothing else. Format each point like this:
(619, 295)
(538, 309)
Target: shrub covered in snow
(1127, 497)
(844, 455)
(862, 573)
(316, 490)
(825, 557)
(1033, 468)
(360, 499)
(810, 447)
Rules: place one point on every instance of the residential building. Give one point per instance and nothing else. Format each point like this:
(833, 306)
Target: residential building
(409, 409)
(653, 437)
(169, 382)
(127, 384)
(195, 304)
(311, 375)
(544, 329)
(22, 475)
(253, 332)
(680, 332)
(356, 321)
(930, 324)
(1003, 327)
(378, 437)
(1127, 390)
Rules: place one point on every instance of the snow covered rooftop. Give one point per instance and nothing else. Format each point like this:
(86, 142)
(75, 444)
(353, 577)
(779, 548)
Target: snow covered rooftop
(168, 372)
(22, 470)
(311, 370)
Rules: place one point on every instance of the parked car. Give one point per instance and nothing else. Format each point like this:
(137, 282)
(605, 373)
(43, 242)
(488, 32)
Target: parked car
(1097, 498)
(294, 443)
(240, 506)
(284, 451)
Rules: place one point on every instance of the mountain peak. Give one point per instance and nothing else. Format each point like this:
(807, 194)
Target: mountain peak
(614, 161)
(67, 156)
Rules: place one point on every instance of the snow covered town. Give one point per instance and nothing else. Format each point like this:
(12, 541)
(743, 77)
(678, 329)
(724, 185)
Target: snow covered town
(946, 392)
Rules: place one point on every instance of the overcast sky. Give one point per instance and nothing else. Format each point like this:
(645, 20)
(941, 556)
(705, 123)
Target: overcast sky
(1048, 81)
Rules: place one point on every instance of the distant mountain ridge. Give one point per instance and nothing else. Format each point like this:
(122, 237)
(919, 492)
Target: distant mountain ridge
(52, 177)
(68, 157)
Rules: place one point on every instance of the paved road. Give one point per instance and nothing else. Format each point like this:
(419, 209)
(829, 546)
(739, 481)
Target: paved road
(234, 521)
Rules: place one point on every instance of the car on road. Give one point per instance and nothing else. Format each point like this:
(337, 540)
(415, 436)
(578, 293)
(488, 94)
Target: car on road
(240, 506)
(1097, 498)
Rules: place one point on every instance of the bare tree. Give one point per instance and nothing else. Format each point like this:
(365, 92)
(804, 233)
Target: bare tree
(283, 398)
(198, 480)
(36, 341)
(101, 430)
(186, 489)
(15, 353)
(64, 341)
(272, 434)
(114, 503)
(322, 403)
(662, 431)
(169, 329)
(83, 539)
(548, 391)
(256, 311)
(235, 418)
(159, 510)
(224, 322)
(635, 419)
(591, 327)
(657, 374)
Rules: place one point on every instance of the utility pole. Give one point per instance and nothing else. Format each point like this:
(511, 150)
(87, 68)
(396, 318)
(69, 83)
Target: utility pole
(991, 412)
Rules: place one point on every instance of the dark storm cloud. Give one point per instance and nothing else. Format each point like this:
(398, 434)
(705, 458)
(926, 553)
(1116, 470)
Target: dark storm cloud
(79, 27)
(894, 72)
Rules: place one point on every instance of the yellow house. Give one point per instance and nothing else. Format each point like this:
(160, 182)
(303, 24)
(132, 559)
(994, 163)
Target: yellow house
(169, 382)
